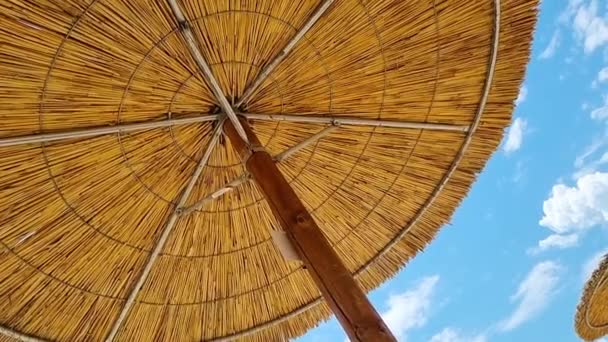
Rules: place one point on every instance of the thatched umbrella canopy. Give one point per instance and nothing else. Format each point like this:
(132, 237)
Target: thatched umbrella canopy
(591, 321)
(125, 212)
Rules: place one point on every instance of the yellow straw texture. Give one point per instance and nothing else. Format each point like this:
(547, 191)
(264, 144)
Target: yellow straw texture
(79, 217)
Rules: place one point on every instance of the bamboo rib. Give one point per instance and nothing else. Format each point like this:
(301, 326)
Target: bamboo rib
(463, 149)
(216, 194)
(184, 28)
(95, 131)
(264, 73)
(165, 234)
(304, 143)
(131, 127)
(18, 336)
(246, 177)
(335, 120)
(79, 218)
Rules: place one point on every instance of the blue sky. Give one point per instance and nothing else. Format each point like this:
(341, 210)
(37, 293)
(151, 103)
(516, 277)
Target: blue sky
(512, 264)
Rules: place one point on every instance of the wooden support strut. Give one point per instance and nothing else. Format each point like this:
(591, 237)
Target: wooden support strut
(343, 295)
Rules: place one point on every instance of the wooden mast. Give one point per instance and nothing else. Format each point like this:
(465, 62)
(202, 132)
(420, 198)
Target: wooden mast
(346, 299)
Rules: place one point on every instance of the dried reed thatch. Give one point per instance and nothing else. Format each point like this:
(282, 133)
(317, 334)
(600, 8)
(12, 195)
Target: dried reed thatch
(79, 218)
(591, 320)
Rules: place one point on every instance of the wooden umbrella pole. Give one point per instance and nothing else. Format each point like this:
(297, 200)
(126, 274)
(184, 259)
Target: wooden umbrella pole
(344, 296)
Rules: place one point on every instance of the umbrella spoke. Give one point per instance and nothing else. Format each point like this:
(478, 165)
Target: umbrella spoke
(217, 193)
(165, 233)
(131, 127)
(230, 186)
(246, 177)
(352, 121)
(96, 131)
(186, 31)
(322, 8)
(290, 151)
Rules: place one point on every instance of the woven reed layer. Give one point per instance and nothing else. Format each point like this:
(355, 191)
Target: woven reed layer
(591, 321)
(78, 218)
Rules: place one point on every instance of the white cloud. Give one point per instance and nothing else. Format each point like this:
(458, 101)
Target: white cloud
(602, 76)
(411, 308)
(589, 27)
(454, 335)
(591, 264)
(582, 159)
(570, 11)
(515, 135)
(519, 174)
(533, 294)
(551, 48)
(592, 166)
(593, 158)
(574, 209)
(601, 113)
(521, 97)
(555, 241)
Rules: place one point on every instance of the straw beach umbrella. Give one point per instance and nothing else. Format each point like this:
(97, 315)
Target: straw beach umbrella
(184, 170)
(591, 321)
